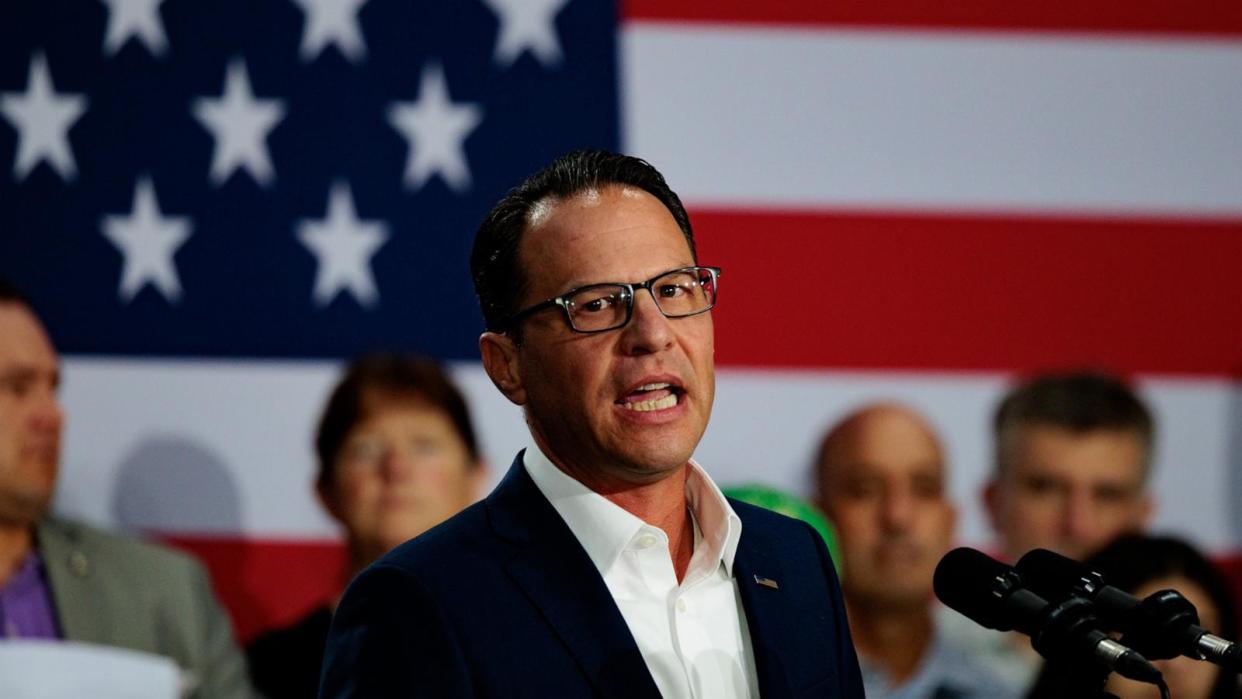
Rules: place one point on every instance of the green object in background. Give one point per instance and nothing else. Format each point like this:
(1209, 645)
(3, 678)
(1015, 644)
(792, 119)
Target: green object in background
(790, 506)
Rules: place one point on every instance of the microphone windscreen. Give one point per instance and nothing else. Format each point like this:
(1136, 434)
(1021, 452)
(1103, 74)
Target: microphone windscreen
(973, 583)
(1053, 576)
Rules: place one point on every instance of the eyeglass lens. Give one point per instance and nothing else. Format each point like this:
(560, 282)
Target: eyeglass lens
(606, 306)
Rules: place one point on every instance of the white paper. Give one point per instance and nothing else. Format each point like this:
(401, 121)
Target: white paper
(61, 669)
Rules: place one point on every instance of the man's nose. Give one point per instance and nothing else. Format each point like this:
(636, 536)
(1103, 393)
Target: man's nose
(397, 465)
(1079, 524)
(649, 329)
(897, 510)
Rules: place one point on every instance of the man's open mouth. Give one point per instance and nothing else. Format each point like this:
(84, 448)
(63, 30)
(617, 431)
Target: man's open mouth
(651, 396)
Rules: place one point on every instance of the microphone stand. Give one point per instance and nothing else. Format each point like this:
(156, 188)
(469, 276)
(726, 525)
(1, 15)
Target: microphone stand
(1071, 680)
(1067, 640)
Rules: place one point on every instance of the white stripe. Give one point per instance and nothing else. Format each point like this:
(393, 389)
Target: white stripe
(225, 447)
(783, 414)
(793, 118)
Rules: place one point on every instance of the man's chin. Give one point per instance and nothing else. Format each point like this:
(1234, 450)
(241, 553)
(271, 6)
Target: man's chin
(23, 509)
(655, 460)
(646, 474)
(662, 445)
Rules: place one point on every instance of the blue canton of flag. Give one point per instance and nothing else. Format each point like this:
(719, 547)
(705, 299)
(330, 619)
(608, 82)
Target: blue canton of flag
(271, 178)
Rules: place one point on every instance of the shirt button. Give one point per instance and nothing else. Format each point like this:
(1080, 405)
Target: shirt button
(646, 541)
(681, 605)
(79, 564)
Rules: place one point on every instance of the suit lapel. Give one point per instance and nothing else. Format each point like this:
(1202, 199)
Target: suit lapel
(555, 573)
(768, 614)
(69, 568)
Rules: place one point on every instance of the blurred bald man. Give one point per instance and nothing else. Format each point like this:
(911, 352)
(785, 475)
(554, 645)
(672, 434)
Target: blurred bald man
(881, 480)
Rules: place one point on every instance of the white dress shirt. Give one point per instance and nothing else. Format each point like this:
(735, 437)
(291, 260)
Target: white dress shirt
(693, 635)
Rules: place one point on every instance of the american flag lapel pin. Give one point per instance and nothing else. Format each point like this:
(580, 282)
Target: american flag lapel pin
(767, 582)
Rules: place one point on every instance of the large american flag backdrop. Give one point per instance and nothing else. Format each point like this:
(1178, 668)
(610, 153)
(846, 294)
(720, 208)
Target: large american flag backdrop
(214, 203)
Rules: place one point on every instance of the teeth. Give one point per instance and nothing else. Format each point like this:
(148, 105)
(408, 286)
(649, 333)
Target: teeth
(652, 387)
(644, 406)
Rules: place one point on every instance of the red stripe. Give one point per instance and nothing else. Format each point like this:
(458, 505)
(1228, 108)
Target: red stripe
(850, 290)
(1129, 16)
(268, 583)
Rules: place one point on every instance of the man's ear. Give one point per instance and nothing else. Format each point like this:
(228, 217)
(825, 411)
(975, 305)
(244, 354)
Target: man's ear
(327, 498)
(500, 361)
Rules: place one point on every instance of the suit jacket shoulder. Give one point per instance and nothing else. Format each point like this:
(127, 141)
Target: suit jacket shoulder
(118, 591)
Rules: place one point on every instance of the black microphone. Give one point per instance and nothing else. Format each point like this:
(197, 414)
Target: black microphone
(1163, 625)
(992, 594)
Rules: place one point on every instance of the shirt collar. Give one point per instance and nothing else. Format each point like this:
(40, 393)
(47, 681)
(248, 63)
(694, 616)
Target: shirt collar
(27, 576)
(605, 529)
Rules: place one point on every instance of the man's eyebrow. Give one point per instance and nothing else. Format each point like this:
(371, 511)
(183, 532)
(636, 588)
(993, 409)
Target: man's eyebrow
(23, 372)
(577, 284)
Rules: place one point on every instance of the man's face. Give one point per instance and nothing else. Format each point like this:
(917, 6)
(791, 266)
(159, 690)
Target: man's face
(30, 416)
(581, 390)
(882, 485)
(1067, 491)
(401, 470)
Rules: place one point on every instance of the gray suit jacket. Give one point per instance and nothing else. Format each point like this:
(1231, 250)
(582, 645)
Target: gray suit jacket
(117, 591)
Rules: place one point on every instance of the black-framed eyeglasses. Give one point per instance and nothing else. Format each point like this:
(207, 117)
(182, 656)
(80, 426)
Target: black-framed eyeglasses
(597, 308)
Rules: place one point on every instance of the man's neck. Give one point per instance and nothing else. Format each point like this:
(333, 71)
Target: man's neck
(661, 503)
(16, 542)
(895, 639)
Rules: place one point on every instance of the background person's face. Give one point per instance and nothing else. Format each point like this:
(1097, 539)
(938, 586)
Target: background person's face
(1068, 492)
(1187, 678)
(580, 389)
(885, 496)
(401, 470)
(30, 416)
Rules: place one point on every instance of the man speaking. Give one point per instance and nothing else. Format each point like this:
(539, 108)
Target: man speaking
(606, 563)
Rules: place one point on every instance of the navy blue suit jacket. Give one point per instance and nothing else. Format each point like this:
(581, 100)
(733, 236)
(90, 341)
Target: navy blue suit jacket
(502, 601)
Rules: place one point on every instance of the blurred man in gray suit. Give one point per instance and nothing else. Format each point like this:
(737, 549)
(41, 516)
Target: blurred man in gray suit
(63, 580)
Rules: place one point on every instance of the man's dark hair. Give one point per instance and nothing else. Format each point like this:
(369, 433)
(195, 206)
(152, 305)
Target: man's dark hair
(1080, 402)
(384, 377)
(499, 280)
(9, 293)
